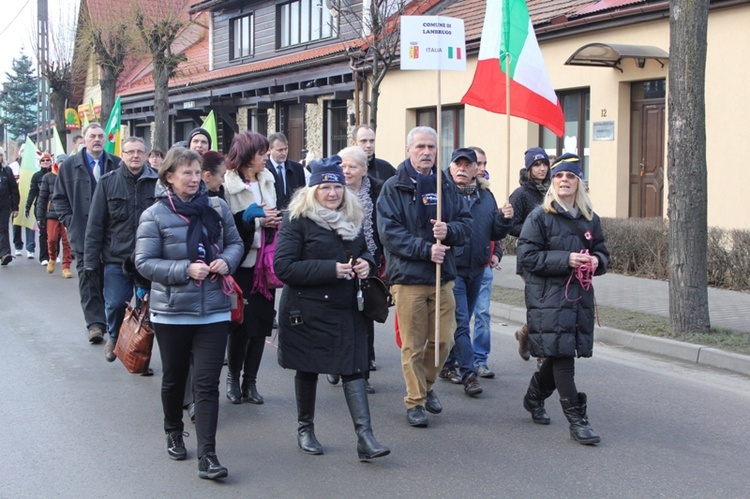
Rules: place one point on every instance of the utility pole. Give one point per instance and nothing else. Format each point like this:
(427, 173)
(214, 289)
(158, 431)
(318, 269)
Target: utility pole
(43, 121)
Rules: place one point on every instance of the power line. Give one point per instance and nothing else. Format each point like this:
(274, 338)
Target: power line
(14, 19)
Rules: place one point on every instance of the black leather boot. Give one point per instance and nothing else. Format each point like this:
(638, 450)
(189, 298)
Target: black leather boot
(356, 399)
(236, 346)
(534, 401)
(580, 429)
(250, 392)
(305, 392)
(233, 388)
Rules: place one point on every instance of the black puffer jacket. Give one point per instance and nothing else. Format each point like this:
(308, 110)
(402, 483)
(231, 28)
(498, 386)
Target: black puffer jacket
(34, 187)
(408, 246)
(332, 334)
(119, 200)
(559, 326)
(524, 199)
(9, 195)
(43, 208)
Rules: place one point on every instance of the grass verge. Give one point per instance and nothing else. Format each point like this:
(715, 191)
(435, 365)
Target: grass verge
(652, 325)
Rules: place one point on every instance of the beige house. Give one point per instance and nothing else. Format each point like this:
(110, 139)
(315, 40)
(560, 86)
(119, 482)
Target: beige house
(615, 113)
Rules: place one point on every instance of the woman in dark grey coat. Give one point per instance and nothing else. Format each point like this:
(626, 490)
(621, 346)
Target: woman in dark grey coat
(184, 246)
(320, 254)
(560, 248)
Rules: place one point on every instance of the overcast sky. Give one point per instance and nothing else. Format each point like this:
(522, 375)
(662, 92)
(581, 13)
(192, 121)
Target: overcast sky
(18, 29)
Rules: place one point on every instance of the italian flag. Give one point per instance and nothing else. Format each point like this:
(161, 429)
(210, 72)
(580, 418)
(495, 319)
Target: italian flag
(508, 30)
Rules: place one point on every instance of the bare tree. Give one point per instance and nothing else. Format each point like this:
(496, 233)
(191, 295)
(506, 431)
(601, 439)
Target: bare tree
(380, 33)
(687, 172)
(159, 25)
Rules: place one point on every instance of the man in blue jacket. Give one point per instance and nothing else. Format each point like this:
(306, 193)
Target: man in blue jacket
(414, 242)
(489, 224)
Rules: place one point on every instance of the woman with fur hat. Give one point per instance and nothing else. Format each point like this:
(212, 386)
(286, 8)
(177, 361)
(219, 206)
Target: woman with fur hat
(250, 192)
(560, 249)
(320, 254)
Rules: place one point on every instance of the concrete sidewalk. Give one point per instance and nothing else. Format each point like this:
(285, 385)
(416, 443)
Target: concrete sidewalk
(727, 309)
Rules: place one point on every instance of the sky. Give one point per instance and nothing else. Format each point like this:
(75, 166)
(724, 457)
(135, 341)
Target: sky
(18, 29)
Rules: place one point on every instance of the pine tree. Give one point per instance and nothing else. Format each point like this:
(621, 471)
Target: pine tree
(19, 98)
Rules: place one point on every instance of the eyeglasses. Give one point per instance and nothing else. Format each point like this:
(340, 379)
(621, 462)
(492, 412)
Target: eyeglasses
(139, 152)
(45, 161)
(568, 175)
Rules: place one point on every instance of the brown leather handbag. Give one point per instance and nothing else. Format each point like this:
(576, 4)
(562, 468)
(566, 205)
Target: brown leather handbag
(136, 339)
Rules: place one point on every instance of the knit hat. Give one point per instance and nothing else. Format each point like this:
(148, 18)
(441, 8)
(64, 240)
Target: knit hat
(535, 154)
(567, 163)
(199, 131)
(464, 152)
(326, 170)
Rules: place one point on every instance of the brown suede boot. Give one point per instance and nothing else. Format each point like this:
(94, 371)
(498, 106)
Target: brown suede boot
(522, 335)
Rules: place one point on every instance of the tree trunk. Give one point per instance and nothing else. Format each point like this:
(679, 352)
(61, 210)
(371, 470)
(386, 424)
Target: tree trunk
(687, 176)
(374, 96)
(58, 101)
(161, 108)
(108, 85)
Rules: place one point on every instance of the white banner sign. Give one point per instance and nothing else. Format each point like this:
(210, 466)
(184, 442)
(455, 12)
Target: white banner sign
(433, 42)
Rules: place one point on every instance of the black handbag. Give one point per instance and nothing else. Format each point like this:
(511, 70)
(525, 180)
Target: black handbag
(377, 299)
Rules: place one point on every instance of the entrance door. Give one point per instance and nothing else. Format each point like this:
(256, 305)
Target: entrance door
(292, 124)
(647, 149)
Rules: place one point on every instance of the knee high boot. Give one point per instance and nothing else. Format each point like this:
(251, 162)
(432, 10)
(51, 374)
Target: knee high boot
(534, 401)
(236, 346)
(305, 392)
(356, 399)
(580, 429)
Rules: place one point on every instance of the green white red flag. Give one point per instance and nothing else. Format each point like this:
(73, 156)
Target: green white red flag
(508, 30)
(112, 131)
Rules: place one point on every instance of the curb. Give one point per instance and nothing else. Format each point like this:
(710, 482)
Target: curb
(688, 352)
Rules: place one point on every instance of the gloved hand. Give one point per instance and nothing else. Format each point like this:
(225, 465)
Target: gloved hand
(252, 212)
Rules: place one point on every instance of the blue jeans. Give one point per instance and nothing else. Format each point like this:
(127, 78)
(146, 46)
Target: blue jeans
(482, 319)
(465, 292)
(118, 290)
(30, 238)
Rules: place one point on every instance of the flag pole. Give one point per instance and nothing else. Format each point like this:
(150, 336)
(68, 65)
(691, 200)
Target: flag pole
(507, 125)
(438, 123)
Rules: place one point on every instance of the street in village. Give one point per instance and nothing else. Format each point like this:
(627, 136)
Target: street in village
(76, 426)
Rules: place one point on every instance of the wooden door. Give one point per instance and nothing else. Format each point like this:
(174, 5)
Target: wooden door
(647, 159)
(292, 124)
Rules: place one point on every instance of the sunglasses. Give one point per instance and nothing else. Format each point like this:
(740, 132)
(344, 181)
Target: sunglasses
(568, 175)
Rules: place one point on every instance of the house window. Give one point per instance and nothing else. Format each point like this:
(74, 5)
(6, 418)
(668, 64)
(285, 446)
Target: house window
(258, 120)
(241, 33)
(304, 21)
(336, 126)
(577, 114)
(452, 125)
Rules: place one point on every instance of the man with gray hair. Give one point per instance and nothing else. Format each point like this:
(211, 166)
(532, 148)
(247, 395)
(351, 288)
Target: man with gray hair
(71, 200)
(119, 199)
(414, 241)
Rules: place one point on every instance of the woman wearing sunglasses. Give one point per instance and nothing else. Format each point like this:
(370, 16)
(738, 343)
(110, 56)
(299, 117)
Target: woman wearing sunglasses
(560, 248)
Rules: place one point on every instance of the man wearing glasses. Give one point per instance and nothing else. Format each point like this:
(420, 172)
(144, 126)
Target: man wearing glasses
(119, 199)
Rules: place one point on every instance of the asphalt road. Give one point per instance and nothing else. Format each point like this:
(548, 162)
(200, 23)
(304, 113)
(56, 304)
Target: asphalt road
(74, 425)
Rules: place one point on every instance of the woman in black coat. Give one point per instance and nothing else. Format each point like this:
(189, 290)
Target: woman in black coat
(320, 254)
(560, 248)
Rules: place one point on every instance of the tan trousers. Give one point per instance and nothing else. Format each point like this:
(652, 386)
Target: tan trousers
(415, 306)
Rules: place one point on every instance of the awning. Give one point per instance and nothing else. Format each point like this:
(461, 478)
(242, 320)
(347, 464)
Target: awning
(609, 55)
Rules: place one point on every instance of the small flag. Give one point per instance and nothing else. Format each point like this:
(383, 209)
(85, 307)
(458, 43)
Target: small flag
(59, 149)
(210, 126)
(112, 132)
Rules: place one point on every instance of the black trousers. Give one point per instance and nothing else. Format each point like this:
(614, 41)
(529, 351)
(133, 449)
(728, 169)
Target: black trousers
(205, 343)
(559, 373)
(4, 232)
(91, 291)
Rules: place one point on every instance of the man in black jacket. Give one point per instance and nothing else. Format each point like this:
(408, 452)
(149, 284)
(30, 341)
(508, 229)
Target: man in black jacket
(412, 237)
(288, 174)
(71, 199)
(364, 137)
(119, 199)
(9, 200)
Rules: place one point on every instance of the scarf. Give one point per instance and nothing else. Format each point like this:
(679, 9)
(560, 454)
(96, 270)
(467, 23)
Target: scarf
(201, 244)
(467, 190)
(334, 220)
(364, 198)
(539, 185)
(426, 197)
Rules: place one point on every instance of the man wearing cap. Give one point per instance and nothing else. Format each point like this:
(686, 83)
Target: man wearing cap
(534, 180)
(364, 137)
(414, 241)
(71, 199)
(288, 174)
(119, 199)
(9, 200)
(488, 224)
(199, 140)
(45, 165)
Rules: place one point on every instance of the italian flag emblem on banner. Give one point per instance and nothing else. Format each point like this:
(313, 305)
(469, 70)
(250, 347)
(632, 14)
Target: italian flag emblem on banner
(508, 30)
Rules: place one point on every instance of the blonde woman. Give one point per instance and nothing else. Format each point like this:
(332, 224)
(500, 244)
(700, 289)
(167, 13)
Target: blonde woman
(320, 253)
(560, 248)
